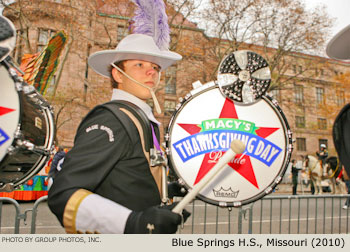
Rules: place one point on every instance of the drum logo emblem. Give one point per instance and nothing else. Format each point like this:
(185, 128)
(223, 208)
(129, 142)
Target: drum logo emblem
(212, 137)
(229, 193)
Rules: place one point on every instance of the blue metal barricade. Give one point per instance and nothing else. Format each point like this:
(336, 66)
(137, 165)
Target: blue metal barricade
(18, 215)
(273, 214)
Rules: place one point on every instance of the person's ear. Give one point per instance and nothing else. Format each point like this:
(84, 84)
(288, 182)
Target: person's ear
(117, 75)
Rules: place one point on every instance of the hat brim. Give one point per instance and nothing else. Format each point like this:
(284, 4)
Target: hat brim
(101, 61)
(339, 46)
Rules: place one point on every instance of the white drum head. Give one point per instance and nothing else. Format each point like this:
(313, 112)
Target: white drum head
(202, 130)
(9, 111)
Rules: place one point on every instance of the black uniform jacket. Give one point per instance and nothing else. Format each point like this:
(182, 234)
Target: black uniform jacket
(105, 161)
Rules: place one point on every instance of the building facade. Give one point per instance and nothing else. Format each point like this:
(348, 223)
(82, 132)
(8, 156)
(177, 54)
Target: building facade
(310, 100)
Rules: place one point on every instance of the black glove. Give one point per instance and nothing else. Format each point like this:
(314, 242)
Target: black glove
(156, 220)
(175, 189)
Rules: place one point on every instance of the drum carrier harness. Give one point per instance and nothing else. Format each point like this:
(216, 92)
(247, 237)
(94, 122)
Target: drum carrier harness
(128, 113)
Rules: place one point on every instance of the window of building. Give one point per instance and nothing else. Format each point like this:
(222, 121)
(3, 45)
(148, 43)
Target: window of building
(43, 37)
(122, 31)
(170, 80)
(323, 141)
(322, 72)
(294, 69)
(301, 144)
(299, 94)
(319, 95)
(169, 107)
(300, 69)
(340, 96)
(322, 123)
(300, 121)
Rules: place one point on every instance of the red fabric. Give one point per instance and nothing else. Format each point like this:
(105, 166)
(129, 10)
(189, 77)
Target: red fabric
(340, 173)
(24, 195)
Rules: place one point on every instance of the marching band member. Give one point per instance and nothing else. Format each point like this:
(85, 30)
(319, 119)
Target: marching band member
(105, 184)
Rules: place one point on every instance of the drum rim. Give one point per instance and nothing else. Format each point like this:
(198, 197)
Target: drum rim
(50, 134)
(278, 178)
(48, 145)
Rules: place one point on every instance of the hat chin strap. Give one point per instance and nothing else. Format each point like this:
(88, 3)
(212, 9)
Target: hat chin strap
(156, 103)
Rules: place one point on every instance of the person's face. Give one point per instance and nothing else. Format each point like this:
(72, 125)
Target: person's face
(143, 71)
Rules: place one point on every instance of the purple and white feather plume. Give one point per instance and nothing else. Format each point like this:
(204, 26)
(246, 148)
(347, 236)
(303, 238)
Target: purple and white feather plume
(151, 19)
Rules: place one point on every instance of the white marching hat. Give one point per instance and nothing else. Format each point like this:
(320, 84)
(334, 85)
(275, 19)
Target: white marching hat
(339, 46)
(133, 46)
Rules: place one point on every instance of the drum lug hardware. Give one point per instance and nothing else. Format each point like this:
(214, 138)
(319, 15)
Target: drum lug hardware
(222, 204)
(166, 137)
(32, 147)
(278, 179)
(188, 96)
(196, 84)
(28, 89)
(268, 190)
(237, 203)
(275, 102)
(18, 133)
(183, 190)
(178, 106)
(181, 182)
(11, 150)
(13, 73)
(156, 158)
(19, 86)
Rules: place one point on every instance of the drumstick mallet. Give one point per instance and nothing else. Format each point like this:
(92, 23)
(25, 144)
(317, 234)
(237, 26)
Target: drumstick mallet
(236, 147)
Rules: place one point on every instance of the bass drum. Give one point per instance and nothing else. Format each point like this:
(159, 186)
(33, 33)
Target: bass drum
(26, 130)
(200, 132)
